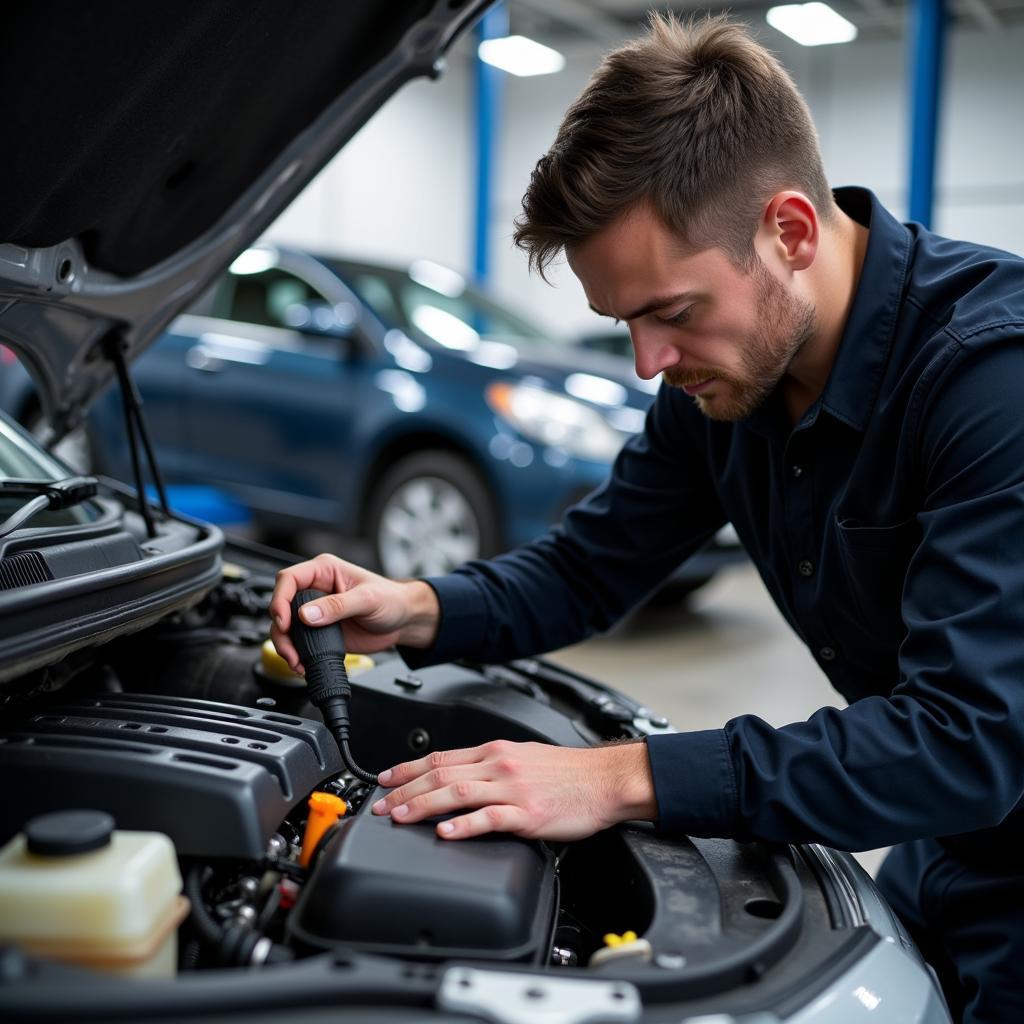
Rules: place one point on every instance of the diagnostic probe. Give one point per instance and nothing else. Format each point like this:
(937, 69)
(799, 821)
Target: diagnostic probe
(322, 651)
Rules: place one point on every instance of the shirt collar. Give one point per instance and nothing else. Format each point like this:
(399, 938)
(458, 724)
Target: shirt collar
(856, 375)
(853, 384)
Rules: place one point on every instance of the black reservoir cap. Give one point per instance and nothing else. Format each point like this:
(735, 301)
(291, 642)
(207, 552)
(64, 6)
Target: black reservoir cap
(64, 833)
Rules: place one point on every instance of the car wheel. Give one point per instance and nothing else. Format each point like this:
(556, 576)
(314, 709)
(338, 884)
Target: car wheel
(73, 448)
(429, 513)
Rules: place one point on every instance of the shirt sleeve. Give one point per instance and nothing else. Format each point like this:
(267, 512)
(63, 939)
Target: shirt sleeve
(944, 752)
(658, 507)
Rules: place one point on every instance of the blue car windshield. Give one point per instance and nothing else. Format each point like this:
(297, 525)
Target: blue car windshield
(433, 300)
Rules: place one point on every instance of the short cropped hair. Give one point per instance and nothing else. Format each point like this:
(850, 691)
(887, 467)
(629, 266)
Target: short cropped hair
(696, 120)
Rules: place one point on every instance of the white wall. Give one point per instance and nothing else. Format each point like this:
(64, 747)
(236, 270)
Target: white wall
(404, 187)
(858, 96)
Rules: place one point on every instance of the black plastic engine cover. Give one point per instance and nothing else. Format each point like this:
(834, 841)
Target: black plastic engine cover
(217, 778)
(399, 889)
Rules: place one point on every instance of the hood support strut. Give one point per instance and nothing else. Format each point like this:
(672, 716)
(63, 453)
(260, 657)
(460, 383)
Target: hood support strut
(114, 347)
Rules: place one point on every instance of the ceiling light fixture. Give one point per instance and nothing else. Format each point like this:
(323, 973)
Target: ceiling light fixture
(813, 24)
(520, 56)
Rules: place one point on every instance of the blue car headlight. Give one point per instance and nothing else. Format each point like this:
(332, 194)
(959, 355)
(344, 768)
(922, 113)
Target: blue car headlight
(556, 420)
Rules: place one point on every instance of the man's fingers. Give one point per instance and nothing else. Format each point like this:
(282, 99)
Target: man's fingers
(409, 770)
(316, 574)
(325, 572)
(455, 797)
(457, 777)
(348, 605)
(493, 818)
(285, 648)
(320, 573)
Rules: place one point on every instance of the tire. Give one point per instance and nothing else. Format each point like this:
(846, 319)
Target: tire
(429, 513)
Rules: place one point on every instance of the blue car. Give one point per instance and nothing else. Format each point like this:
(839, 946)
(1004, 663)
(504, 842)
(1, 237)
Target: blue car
(399, 406)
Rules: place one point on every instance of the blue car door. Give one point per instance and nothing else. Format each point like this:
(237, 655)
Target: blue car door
(159, 377)
(272, 389)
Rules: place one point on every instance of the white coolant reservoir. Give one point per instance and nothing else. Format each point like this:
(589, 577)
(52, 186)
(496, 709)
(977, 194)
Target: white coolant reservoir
(74, 888)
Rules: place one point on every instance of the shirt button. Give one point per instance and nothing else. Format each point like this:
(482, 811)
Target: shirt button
(797, 471)
(805, 568)
(827, 654)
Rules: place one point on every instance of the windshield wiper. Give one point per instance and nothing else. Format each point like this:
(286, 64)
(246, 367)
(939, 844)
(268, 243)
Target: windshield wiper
(45, 496)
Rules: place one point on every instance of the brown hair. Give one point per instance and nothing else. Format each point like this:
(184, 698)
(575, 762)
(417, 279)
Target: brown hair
(699, 121)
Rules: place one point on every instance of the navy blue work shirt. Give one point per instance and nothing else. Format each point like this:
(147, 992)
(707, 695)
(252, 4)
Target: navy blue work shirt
(888, 525)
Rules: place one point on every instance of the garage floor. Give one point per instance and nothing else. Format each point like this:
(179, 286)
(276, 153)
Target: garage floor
(725, 652)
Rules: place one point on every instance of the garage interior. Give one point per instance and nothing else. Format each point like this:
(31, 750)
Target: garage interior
(375, 373)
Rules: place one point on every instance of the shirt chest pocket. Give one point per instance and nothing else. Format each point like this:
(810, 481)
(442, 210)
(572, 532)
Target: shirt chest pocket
(874, 561)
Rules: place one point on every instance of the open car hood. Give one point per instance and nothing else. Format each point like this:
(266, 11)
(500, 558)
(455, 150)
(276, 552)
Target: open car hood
(150, 144)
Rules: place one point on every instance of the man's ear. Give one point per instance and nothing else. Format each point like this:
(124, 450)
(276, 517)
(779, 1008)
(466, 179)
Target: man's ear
(789, 231)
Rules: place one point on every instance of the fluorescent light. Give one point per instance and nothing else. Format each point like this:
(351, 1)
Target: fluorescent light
(813, 24)
(599, 390)
(445, 328)
(521, 56)
(438, 278)
(254, 261)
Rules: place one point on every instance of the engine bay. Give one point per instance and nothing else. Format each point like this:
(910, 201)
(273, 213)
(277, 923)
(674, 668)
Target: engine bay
(191, 729)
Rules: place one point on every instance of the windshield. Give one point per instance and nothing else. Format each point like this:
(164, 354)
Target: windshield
(22, 459)
(436, 301)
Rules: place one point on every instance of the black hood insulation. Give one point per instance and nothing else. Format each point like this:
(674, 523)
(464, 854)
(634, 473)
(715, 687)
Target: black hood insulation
(134, 127)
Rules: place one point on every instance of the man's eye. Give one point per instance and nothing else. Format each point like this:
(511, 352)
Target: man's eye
(680, 318)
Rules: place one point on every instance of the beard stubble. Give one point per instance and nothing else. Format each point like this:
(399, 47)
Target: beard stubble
(785, 325)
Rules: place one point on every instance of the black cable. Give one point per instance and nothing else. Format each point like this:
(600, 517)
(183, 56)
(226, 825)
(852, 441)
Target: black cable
(234, 944)
(270, 907)
(44, 495)
(190, 955)
(354, 769)
(38, 504)
(209, 929)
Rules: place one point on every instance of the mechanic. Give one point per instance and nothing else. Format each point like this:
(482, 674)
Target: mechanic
(846, 391)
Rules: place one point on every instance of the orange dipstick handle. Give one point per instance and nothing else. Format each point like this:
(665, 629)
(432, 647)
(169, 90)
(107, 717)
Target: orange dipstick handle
(324, 810)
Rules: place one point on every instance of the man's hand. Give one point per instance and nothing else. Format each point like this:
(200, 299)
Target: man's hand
(530, 789)
(375, 613)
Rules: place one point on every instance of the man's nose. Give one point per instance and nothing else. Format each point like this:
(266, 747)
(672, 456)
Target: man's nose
(651, 354)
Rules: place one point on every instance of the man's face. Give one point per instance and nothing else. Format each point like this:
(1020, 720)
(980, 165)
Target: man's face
(724, 336)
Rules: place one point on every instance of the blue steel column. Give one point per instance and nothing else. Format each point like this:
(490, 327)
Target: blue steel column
(927, 42)
(487, 104)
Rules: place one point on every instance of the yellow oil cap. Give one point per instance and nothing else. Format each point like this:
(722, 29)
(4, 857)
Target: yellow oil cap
(276, 668)
(622, 947)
